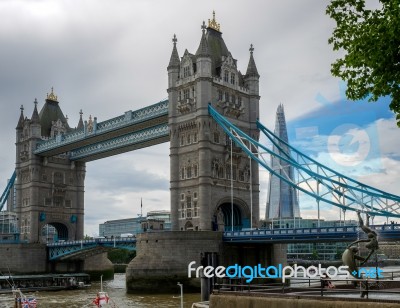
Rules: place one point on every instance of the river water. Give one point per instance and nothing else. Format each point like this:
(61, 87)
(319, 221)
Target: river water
(120, 299)
(116, 291)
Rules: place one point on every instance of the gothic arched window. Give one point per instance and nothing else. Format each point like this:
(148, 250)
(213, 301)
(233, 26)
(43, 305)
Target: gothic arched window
(220, 95)
(232, 78)
(226, 76)
(189, 172)
(58, 178)
(216, 137)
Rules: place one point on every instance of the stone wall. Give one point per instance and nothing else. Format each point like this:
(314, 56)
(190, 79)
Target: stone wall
(162, 260)
(23, 258)
(32, 259)
(98, 265)
(253, 254)
(163, 257)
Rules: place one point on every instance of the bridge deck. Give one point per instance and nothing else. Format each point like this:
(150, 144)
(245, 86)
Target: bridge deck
(311, 235)
(112, 130)
(75, 249)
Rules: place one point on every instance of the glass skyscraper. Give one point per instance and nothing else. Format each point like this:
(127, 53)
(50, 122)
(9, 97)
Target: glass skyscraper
(282, 200)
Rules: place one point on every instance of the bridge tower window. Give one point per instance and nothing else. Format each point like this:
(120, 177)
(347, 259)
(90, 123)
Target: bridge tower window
(186, 71)
(228, 172)
(189, 172)
(195, 171)
(186, 94)
(182, 139)
(241, 175)
(182, 173)
(226, 76)
(188, 202)
(195, 209)
(195, 137)
(216, 137)
(220, 95)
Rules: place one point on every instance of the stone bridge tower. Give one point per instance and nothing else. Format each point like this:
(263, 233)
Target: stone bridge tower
(49, 191)
(202, 167)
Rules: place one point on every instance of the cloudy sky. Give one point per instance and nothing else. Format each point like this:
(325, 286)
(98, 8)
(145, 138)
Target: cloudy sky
(109, 56)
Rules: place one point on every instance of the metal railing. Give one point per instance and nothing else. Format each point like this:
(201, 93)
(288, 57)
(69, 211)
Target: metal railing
(344, 233)
(317, 287)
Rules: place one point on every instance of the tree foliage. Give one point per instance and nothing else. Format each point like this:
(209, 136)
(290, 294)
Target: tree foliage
(370, 39)
(120, 256)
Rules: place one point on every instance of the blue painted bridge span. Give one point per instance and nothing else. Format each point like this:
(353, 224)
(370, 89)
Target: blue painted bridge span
(76, 249)
(129, 131)
(386, 233)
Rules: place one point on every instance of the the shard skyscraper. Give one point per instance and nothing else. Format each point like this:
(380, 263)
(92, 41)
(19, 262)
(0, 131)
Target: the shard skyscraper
(282, 198)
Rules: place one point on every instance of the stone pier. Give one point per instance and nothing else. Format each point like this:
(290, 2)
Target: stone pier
(163, 257)
(162, 260)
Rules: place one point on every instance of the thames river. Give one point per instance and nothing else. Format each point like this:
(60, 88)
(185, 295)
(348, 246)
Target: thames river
(116, 291)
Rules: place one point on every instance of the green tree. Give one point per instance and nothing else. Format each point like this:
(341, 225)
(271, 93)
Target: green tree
(370, 39)
(315, 255)
(121, 256)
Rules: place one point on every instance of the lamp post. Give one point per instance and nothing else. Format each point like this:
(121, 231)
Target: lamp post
(181, 286)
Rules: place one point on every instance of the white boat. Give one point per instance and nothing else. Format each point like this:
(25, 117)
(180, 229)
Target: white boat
(102, 299)
(205, 304)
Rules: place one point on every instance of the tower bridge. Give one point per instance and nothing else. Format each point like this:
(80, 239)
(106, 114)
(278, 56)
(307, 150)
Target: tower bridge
(211, 120)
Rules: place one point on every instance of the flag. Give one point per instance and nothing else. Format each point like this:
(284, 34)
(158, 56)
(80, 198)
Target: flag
(29, 302)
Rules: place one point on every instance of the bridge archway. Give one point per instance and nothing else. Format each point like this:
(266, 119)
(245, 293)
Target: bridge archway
(54, 232)
(189, 226)
(223, 216)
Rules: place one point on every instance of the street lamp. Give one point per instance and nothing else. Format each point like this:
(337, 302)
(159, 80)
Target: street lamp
(181, 286)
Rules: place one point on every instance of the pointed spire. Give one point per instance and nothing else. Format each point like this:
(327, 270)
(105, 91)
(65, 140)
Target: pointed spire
(35, 115)
(280, 123)
(203, 47)
(80, 123)
(20, 124)
(252, 68)
(52, 96)
(280, 109)
(213, 23)
(174, 61)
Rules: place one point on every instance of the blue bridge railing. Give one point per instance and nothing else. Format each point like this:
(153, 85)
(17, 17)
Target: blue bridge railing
(66, 249)
(390, 232)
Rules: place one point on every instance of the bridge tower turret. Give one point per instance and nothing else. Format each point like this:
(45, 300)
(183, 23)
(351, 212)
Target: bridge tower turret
(49, 191)
(203, 167)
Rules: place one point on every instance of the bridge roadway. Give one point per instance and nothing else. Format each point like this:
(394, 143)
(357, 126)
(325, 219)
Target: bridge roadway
(386, 233)
(82, 248)
(132, 130)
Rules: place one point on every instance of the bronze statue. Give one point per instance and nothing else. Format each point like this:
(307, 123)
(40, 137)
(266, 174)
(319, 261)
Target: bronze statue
(372, 241)
(349, 258)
